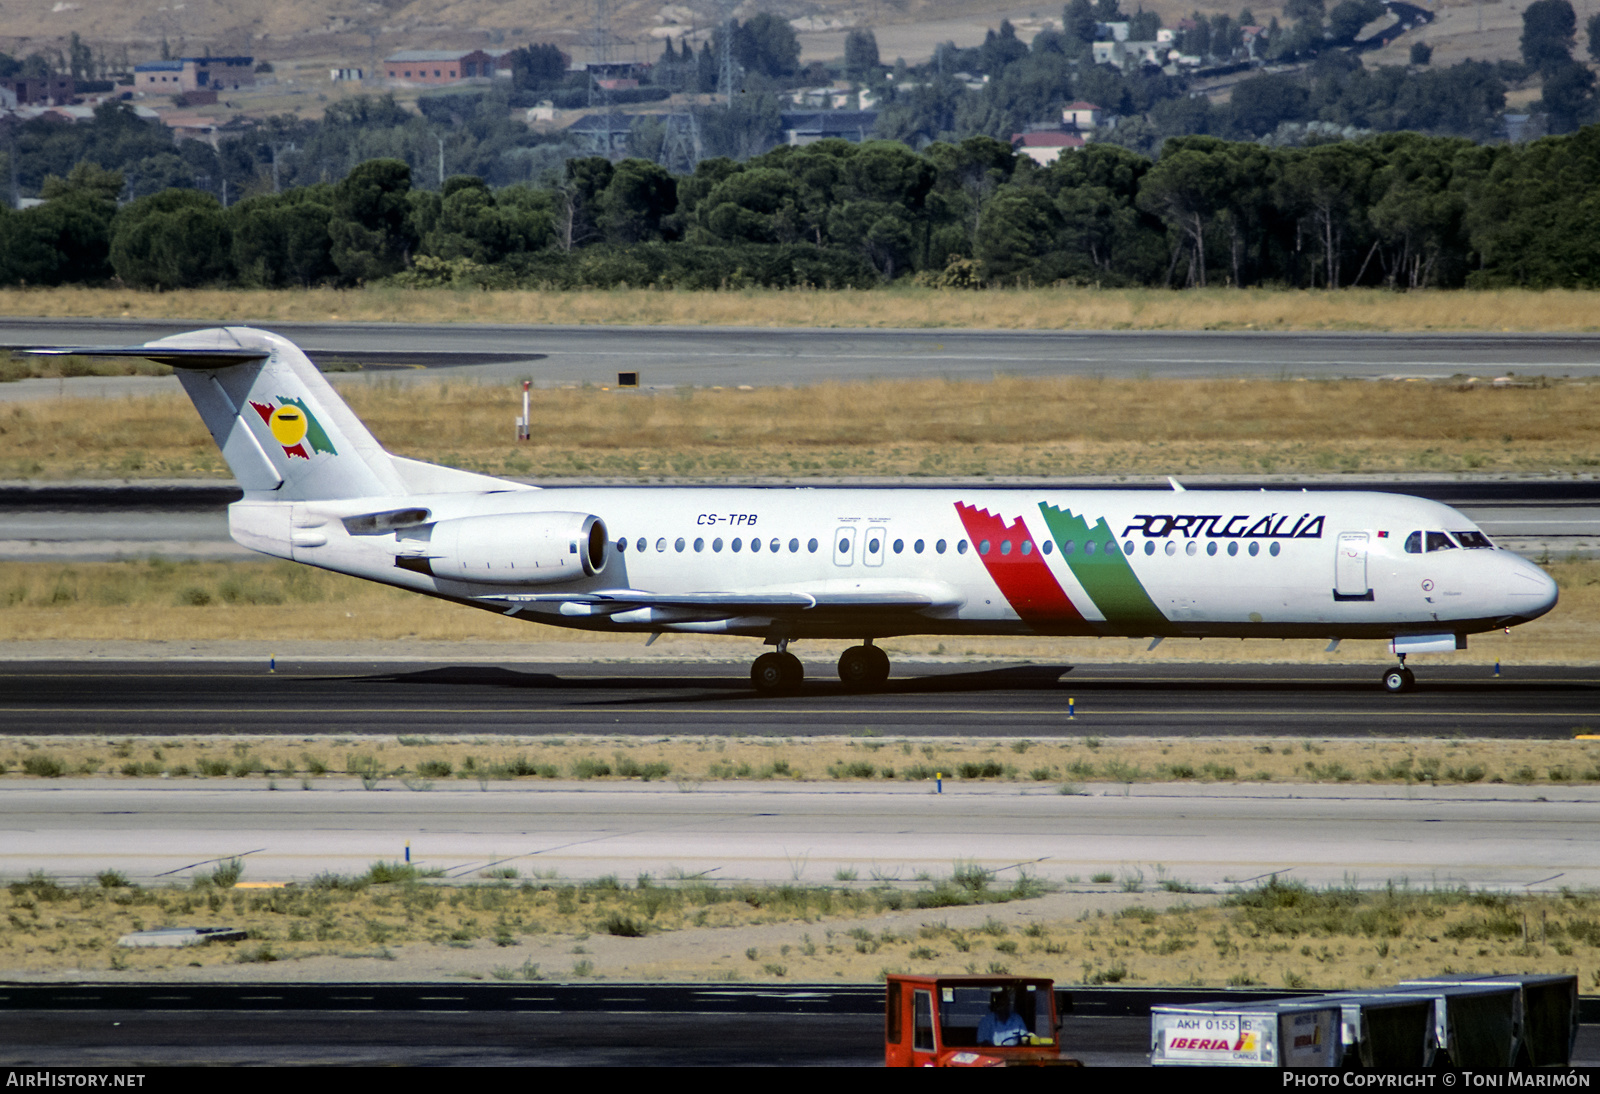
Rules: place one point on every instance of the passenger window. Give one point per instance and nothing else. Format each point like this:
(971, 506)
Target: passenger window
(1233, 548)
(1273, 550)
(1088, 546)
(1027, 546)
(716, 544)
(811, 546)
(1192, 548)
(1066, 548)
(983, 548)
(1255, 549)
(1211, 548)
(755, 545)
(1127, 548)
(794, 546)
(640, 546)
(1439, 541)
(699, 545)
(961, 546)
(1172, 548)
(917, 546)
(1149, 546)
(1046, 547)
(736, 544)
(622, 545)
(775, 545)
(1414, 543)
(899, 546)
(678, 545)
(939, 547)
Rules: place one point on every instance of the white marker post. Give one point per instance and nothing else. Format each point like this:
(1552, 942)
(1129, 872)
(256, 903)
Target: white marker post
(523, 431)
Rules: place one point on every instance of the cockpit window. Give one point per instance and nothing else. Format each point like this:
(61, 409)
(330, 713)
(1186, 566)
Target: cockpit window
(1472, 539)
(1414, 543)
(1440, 541)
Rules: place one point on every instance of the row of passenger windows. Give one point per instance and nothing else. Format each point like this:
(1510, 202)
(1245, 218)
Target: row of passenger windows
(1006, 546)
(1418, 542)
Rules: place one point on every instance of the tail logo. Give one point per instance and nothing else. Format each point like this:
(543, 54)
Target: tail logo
(293, 425)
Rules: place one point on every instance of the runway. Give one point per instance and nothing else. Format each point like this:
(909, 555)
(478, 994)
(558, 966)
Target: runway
(730, 356)
(143, 698)
(1211, 835)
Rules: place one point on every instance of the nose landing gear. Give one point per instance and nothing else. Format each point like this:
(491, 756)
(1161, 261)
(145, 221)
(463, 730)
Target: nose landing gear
(1399, 679)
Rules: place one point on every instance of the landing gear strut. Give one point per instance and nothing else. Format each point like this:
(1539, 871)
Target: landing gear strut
(1401, 679)
(864, 666)
(777, 673)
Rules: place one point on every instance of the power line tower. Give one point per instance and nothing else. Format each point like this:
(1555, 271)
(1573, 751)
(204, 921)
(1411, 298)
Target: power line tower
(728, 71)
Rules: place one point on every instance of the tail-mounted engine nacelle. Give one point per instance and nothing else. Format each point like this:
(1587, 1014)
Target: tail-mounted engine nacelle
(519, 548)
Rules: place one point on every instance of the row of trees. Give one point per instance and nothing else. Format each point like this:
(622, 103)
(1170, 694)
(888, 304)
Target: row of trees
(1403, 210)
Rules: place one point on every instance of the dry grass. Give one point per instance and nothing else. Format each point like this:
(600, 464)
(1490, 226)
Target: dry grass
(900, 306)
(419, 761)
(1277, 936)
(935, 428)
(212, 603)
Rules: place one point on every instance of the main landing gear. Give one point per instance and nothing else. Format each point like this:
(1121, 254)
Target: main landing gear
(864, 666)
(777, 673)
(1399, 679)
(860, 668)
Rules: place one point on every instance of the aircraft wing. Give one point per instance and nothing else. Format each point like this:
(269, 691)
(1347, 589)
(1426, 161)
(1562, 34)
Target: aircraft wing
(609, 601)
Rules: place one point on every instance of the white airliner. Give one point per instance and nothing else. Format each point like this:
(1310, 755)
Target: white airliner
(785, 564)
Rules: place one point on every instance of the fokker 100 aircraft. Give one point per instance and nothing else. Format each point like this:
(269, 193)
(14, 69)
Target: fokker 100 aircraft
(785, 564)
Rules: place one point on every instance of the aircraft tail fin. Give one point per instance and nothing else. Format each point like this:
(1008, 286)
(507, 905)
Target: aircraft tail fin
(284, 431)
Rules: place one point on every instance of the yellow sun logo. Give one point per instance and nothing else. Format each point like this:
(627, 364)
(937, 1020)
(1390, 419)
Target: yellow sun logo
(288, 425)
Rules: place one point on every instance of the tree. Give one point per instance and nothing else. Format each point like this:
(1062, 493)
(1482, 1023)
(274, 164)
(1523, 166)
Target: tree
(539, 65)
(861, 54)
(1594, 37)
(371, 230)
(1349, 16)
(1421, 53)
(1568, 96)
(176, 239)
(634, 203)
(1549, 30)
(766, 44)
(1077, 25)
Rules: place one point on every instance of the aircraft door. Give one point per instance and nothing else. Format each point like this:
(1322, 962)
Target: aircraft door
(874, 543)
(1350, 568)
(844, 546)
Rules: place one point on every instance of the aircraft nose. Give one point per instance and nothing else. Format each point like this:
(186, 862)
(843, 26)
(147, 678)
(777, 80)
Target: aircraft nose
(1529, 591)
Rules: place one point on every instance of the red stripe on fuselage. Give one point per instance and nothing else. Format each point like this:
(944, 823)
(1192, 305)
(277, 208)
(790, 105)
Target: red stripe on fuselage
(1023, 577)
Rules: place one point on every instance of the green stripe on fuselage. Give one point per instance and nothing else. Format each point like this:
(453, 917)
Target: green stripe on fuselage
(1106, 575)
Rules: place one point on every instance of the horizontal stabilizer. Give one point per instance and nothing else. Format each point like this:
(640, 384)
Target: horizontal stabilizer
(176, 356)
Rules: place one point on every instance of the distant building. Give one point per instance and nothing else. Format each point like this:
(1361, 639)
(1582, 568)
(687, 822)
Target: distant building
(346, 75)
(435, 67)
(1127, 54)
(185, 74)
(850, 125)
(38, 90)
(1045, 146)
(1081, 115)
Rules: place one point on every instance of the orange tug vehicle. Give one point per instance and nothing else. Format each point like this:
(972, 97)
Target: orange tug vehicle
(972, 1021)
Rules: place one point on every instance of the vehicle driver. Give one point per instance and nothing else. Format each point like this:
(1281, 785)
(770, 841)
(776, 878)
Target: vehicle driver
(1001, 1026)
